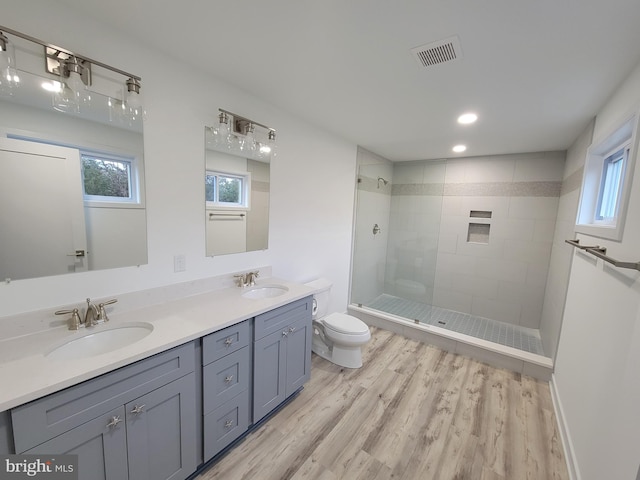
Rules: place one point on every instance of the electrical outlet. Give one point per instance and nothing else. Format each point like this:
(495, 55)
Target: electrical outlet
(179, 263)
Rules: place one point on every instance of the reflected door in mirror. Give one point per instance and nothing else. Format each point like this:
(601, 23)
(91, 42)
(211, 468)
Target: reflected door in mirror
(41, 210)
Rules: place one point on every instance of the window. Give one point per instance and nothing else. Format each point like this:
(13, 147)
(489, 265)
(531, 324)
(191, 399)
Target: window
(612, 174)
(106, 178)
(606, 184)
(227, 190)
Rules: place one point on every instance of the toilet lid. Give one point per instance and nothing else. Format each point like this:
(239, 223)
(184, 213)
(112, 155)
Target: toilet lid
(346, 324)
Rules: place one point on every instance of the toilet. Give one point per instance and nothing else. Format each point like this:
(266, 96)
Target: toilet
(336, 337)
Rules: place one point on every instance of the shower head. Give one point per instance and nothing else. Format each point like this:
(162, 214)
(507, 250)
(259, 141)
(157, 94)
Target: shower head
(380, 179)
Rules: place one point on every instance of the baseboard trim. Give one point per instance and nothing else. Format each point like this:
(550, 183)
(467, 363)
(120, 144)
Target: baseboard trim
(565, 437)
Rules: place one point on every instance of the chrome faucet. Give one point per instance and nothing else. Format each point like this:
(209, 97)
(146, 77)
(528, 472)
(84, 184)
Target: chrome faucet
(91, 316)
(251, 277)
(247, 279)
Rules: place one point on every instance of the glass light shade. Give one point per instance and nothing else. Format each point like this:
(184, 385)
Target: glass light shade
(65, 101)
(133, 97)
(74, 82)
(134, 100)
(9, 78)
(248, 143)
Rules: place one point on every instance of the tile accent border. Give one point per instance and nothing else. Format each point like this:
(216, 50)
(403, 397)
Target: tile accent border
(422, 189)
(260, 186)
(493, 189)
(572, 182)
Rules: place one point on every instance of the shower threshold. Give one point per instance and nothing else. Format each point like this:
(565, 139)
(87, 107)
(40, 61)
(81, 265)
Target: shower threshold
(497, 343)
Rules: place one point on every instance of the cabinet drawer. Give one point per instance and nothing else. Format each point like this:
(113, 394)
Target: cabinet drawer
(281, 317)
(225, 378)
(225, 424)
(225, 341)
(47, 417)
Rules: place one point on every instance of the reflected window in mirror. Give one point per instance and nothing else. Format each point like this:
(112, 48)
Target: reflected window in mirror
(228, 190)
(236, 200)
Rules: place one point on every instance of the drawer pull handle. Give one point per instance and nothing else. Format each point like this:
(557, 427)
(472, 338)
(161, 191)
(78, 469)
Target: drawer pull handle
(228, 424)
(292, 329)
(137, 409)
(228, 378)
(114, 421)
(285, 333)
(228, 342)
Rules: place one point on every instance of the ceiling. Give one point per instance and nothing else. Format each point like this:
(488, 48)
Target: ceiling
(536, 72)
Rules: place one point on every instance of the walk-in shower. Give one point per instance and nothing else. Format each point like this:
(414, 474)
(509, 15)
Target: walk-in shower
(456, 248)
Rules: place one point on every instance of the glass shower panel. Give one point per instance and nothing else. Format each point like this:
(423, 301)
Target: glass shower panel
(371, 233)
(396, 235)
(412, 250)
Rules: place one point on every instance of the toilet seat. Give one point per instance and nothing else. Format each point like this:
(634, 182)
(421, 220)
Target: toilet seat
(345, 324)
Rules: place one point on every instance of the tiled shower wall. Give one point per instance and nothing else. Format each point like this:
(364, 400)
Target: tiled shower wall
(497, 268)
(412, 252)
(470, 234)
(503, 278)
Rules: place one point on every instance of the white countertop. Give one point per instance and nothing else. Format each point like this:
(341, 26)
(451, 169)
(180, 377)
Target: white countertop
(27, 374)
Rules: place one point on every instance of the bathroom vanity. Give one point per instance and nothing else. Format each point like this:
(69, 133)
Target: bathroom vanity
(178, 402)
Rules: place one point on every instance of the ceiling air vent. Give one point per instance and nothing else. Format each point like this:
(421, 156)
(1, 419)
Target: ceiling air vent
(434, 53)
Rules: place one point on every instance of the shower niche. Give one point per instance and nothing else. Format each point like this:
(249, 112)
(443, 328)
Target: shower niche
(479, 232)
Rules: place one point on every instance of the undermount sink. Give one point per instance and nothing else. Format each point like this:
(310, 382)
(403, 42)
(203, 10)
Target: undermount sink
(265, 291)
(101, 339)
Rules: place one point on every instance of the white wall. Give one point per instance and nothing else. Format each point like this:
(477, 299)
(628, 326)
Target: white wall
(598, 361)
(561, 253)
(312, 187)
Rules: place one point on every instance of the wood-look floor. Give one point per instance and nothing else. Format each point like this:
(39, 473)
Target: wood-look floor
(411, 412)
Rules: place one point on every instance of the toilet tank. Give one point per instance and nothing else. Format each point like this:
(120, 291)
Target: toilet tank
(322, 287)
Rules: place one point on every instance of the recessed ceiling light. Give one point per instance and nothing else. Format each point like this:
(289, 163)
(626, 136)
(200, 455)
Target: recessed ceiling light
(459, 148)
(467, 118)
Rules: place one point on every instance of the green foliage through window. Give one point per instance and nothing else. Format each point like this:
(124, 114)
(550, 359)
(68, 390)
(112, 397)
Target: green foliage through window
(225, 189)
(106, 178)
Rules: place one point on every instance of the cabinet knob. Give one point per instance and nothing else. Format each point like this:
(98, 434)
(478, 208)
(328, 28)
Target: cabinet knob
(228, 424)
(292, 329)
(285, 333)
(228, 342)
(228, 378)
(137, 409)
(114, 421)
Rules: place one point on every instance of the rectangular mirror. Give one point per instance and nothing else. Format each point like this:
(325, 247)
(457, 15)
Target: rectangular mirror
(236, 198)
(71, 179)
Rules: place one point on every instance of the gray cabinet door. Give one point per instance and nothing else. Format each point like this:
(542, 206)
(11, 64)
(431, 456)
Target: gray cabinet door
(269, 363)
(161, 436)
(298, 356)
(101, 449)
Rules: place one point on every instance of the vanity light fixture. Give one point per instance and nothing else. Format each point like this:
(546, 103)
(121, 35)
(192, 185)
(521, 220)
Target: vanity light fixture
(9, 78)
(238, 133)
(73, 72)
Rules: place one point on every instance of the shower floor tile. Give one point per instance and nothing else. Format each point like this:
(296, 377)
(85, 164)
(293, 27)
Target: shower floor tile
(522, 338)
